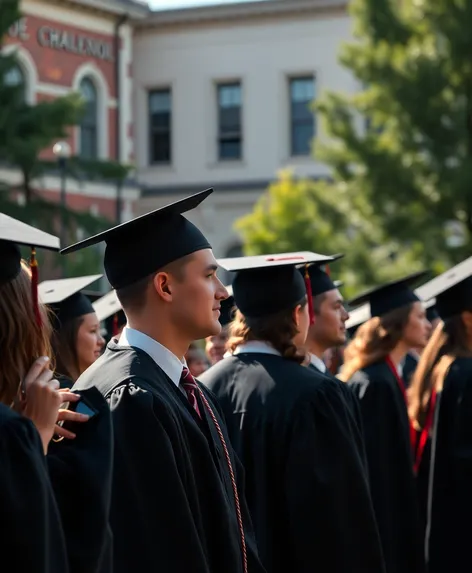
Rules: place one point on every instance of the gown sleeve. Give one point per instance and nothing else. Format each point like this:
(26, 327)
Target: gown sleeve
(32, 533)
(325, 478)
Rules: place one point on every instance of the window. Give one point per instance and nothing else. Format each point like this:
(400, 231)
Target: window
(160, 126)
(229, 121)
(302, 121)
(15, 77)
(89, 122)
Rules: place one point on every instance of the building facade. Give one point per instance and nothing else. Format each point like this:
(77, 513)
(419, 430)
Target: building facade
(84, 46)
(222, 99)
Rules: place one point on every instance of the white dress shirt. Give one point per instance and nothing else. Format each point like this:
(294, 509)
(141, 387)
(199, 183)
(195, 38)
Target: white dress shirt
(161, 355)
(254, 346)
(317, 363)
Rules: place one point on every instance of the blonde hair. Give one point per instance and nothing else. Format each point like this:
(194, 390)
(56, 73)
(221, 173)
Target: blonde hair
(448, 341)
(374, 340)
(277, 329)
(22, 341)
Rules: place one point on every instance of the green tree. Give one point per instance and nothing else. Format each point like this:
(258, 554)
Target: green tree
(320, 216)
(399, 150)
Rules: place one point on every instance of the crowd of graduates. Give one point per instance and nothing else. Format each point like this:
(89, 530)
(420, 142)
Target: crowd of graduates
(310, 434)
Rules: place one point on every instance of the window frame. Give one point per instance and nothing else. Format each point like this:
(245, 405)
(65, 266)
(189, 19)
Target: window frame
(297, 122)
(228, 136)
(152, 130)
(91, 127)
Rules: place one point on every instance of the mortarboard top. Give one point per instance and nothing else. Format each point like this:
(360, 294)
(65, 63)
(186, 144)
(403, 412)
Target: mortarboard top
(144, 245)
(65, 298)
(390, 296)
(320, 278)
(227, 308)
(452, 290)
(107, 306)
(267, 284)
(14, 233)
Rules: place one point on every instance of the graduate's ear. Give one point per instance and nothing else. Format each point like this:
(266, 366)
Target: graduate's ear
(162, 282)
(297, 315)
(467, 320)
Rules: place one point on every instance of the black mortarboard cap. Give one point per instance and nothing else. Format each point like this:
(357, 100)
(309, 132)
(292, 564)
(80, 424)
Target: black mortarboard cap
(14, 233)
(390, 296)
(320, 279)
(65, 299)
(267, 284)
(227, 308)
(144, 245)
(452, 290)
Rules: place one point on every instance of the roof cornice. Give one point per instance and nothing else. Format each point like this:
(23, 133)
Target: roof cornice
(240, 11)
(135, 10)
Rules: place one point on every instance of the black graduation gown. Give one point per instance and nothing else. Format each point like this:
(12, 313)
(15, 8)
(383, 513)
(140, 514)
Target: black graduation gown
(81, 475)
(32, 539)
(306, 485)
(409, 367)
(172, 504)
(393, 487)
(450, 496)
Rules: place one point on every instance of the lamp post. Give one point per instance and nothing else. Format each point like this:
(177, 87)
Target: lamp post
(62, 152)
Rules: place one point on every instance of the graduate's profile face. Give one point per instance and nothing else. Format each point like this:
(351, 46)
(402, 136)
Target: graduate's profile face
(197, 296)
(330, 321)
(301, 317)
(89, 341)
(418, 328)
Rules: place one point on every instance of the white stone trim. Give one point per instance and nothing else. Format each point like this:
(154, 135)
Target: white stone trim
(28, 66)
(90, 70)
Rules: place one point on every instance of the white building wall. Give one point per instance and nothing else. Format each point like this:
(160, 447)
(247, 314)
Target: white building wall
(262, 55)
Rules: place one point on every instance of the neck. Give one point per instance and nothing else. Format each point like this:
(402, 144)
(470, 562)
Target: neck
(316, 348)
(398, 353)
(165, 334)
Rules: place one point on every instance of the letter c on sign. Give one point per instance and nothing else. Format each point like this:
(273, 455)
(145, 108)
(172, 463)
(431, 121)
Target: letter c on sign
(43, 35)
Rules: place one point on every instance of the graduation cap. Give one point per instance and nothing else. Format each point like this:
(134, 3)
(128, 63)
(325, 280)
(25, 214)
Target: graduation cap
(390, 296)
(65, 298)
(227, 308)
(266, 284)
(109, 306)
(144, 245)
(452, 290)
(320, 277)
(12, 234)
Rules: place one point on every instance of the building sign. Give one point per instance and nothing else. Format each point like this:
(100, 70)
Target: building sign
(57, 39)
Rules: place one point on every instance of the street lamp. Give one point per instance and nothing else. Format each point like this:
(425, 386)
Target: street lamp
(62, 151)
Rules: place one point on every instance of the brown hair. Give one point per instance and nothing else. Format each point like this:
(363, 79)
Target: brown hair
(64, 344)
(448, 341)
(374, 341)
(22, 341)
(277, 329)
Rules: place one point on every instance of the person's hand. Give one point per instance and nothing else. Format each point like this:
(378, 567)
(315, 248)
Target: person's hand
(41, 400)
(66, 415)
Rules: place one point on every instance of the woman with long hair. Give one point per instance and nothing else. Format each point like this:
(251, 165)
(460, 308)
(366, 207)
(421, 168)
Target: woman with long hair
(29, 407)
(441, 411)
(76, 338)
(372, 368)
(290, 425)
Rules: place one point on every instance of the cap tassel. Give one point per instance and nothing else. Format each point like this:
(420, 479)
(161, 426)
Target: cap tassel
(114, 329)
(328, 270)
(309, 295)
(34, 286)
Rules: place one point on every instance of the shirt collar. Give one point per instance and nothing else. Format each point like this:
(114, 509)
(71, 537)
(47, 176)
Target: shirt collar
(161, 355)
(317, 363)
(256, 346)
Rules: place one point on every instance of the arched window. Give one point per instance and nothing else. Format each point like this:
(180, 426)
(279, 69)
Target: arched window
(15, 77)
(89, 122)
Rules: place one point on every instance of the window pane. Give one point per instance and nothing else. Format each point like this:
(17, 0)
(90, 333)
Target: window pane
(302, 94)
(229, 121)
(160, 126)
(14, 76)
(89, 121)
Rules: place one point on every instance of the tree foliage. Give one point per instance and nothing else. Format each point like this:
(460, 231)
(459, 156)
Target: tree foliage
(399, 150)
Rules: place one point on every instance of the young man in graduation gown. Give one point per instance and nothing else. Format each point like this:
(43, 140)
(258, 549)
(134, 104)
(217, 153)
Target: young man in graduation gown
(178, 502)
(305, 481)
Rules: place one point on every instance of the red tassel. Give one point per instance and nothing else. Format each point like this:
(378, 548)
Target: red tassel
(328, 270)
(34, 286)
(309, 295)
(115, 325)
